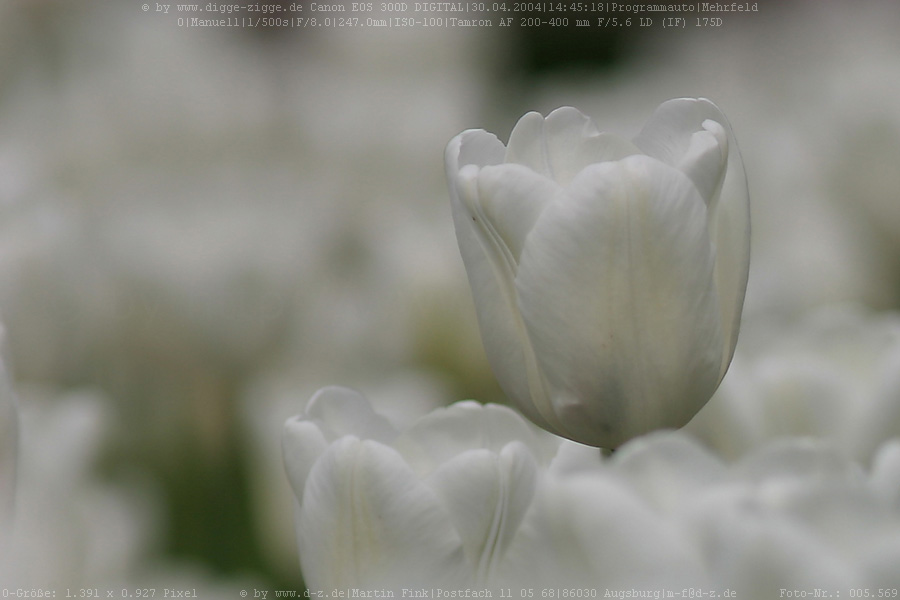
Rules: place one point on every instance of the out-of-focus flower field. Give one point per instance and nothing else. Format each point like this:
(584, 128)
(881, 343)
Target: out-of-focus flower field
(199, 228)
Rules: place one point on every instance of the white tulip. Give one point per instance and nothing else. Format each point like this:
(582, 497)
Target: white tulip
(608, 275)
(470, 496)
(474, 497)
(832, 373)
(790, 514)
(437, 504)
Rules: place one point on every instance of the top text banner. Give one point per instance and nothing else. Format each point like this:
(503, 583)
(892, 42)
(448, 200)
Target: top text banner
(403, 15)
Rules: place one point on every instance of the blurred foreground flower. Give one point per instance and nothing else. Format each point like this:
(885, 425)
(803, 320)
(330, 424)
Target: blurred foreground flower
(71, 527)
(608, 275)
(474, 497)
(791, 514)
(437, 504)
(833, 374)
(460, 498)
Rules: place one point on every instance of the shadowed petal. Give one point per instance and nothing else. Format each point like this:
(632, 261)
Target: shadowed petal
(668, 136)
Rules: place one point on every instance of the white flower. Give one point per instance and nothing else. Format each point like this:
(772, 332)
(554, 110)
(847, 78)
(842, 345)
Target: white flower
(470, 495)
(791, 514)
(437, 504)
(474, 497)
(71, 526)
(608, 276)
(833, 374)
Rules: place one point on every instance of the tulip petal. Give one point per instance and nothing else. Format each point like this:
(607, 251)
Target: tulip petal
(509, 200)
(333, 412)
(367, 521)
(341, 411)
(561, 145)
(668, 136)
(444, 433)
(302, 444)
(473, 147)
(615, 289)
(487, 496)
(668, 133)
(490, 271)
(526, 144)
(706, 159)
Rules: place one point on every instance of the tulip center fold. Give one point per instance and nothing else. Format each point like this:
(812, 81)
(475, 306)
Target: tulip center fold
(514, 490)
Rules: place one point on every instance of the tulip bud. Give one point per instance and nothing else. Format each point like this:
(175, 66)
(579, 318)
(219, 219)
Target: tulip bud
(608, 276)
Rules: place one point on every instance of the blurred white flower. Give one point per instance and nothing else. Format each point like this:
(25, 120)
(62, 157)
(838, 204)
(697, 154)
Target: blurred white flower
(590, 529)
(833, 374)
(437, 504)
(608, 276)
(473, 496)
(70, 527)
(791, 514)
(470, 495)
(401, 397)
